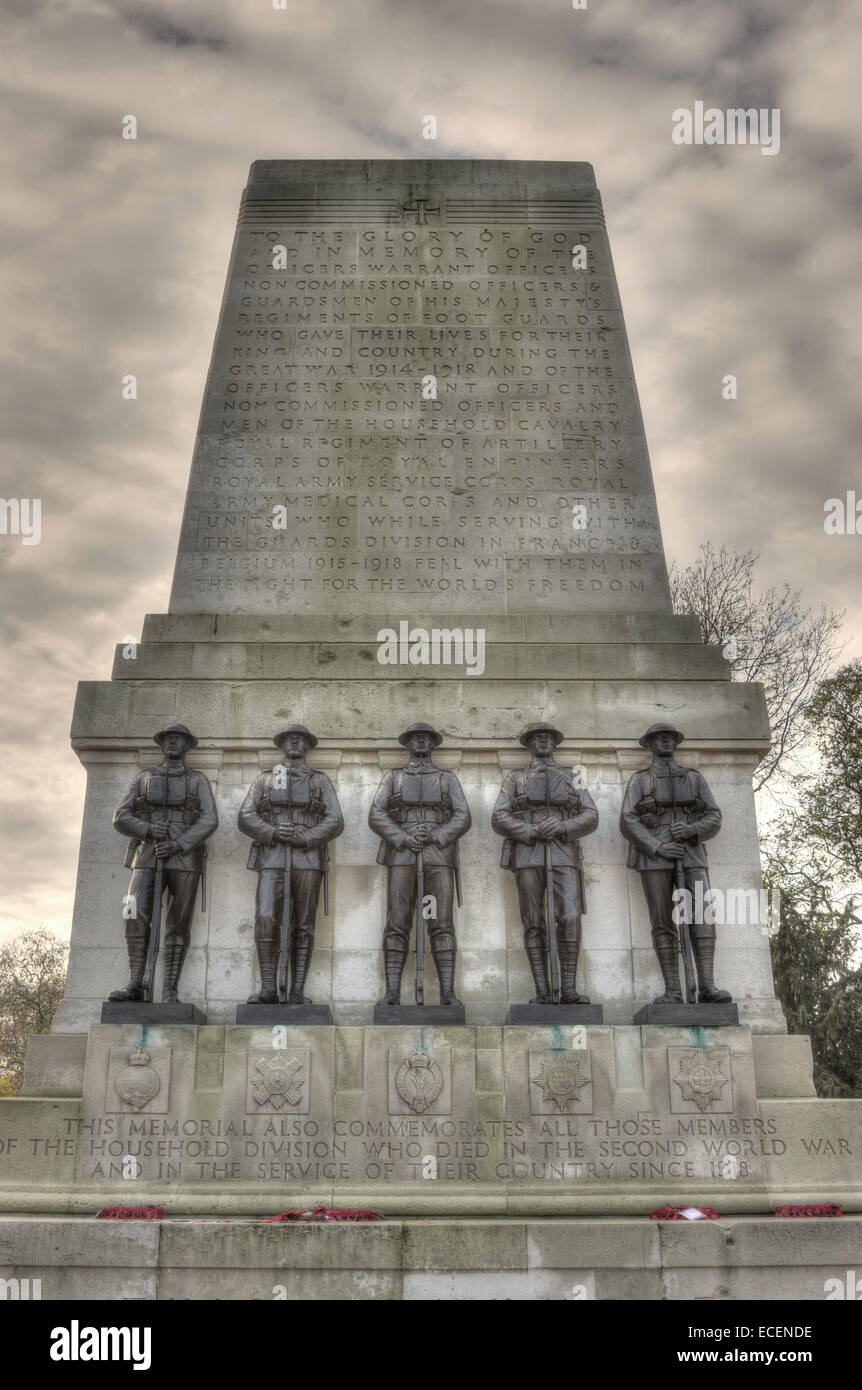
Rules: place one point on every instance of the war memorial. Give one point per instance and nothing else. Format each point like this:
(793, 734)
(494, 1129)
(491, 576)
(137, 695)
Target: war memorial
(389, 817)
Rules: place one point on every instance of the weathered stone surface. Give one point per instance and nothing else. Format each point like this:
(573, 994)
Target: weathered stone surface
(289, 1015)
(575, 1260)
(464, 489)
(54, 1064)
(783, 1066)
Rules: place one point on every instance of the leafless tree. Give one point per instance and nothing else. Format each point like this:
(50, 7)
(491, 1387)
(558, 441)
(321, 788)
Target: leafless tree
(32, 979)
(767, 637)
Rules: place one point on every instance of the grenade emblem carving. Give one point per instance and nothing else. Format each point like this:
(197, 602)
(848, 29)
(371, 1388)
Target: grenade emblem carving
(138, 1083)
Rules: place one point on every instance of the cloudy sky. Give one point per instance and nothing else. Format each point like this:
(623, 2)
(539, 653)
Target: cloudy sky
(115, 254)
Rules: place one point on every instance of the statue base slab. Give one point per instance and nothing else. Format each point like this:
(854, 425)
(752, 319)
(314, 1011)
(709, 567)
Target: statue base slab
(130, 1012)
(290, 1015)
(690, 1015)
(415, 1015)
(555, 1013)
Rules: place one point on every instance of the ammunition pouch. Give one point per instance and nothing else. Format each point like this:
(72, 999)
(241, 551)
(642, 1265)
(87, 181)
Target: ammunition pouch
(314, 808)
(441, 810)
(653, 813)
(566, 810)
(150, 811)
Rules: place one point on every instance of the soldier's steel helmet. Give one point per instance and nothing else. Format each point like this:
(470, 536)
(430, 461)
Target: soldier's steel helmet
(420, 729)
(660, 729)
(295, 729)
(540, 729)
(176, 729)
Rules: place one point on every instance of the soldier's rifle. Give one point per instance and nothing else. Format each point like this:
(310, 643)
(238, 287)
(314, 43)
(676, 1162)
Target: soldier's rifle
(684, 925)
(284, 956)
(156, 913)
(420, 920)
(553, 951)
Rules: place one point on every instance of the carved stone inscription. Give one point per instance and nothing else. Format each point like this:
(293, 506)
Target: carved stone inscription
(441, 412)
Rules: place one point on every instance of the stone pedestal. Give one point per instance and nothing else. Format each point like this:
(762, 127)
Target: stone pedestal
(418, 1015)
(690, 1015)
(425, 1120)
(522, 1259)
(555, 1013)
(150, 1013)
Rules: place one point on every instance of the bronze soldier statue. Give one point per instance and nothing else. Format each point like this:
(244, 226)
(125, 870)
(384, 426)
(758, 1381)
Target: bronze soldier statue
(668, 812)
(543, 815)
(420, 812)
(291, 813)
(168, 813)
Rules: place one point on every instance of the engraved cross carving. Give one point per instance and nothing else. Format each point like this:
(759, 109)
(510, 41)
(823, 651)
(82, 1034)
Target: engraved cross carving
(421, 209)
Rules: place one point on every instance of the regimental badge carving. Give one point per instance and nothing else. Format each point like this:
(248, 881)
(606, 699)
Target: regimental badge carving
(278, 1081)
(701, 1080)
(138, 1083)
(561, 1077)
(419, 1081)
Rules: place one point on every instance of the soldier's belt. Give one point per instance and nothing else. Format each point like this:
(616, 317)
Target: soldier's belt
(539, 809)
(438, 811)
(178, 814)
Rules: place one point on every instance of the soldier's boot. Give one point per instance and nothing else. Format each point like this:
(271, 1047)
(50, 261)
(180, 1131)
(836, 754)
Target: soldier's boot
(175, 954)
(569, 951)
(134, 991)
(536, 956)
(267, 956)
(667, 959)
(444, 959)
(300, 952)
(393, 963)
(704, 955)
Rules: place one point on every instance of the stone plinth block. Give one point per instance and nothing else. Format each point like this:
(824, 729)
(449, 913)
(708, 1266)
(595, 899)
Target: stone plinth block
(560, 1260)
(555, 1013)
(409, 1015)
(538, 1120)
(690, 1015)
(291, 1015)
(151, 1013)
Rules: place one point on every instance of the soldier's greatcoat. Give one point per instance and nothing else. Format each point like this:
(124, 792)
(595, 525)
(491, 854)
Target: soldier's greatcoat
(191, 815)
(290, 794)
(532, 794)
(647, 813)
(407, 795)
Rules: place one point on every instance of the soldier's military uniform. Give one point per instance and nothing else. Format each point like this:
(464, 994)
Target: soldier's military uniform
(291, 793)
(645, 820)
(192, 817)
(419, 792)
(528, 796)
